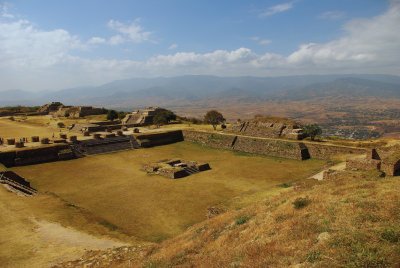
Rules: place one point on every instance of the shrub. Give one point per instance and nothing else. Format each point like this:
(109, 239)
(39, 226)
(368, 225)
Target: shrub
(60, 124)
(391, 234)
(286, 185)
(66, 114)
(301, 202)
(241, 220)
(11, 118)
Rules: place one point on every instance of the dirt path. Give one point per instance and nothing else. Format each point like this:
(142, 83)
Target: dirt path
(319, 175)
(54, 233)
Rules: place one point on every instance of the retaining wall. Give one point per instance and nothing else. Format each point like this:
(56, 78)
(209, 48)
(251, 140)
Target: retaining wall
(280, 148)
(160, 138)
(34, 155)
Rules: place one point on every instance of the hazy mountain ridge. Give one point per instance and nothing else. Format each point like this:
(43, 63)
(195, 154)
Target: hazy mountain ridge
(197, 88)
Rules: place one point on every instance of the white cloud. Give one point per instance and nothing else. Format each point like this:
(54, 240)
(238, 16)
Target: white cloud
(132, 32)
(173, 46)
(255, 38)
(96, 40)
(4, 12)
(277, 9)
(116, 40)
(265, 42)
(334, 15)
(32, 58)
(367, 42)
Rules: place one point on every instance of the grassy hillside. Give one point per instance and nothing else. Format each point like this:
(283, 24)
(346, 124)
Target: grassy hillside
(351, 221)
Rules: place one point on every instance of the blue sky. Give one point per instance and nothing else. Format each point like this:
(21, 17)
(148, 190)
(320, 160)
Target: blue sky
(60, 44)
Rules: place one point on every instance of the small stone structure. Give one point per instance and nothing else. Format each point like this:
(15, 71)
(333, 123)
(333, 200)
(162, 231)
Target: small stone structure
(268, 127)
(19, 144)
(10, 141)
(45, 141)
(386, 159)
(175, 168)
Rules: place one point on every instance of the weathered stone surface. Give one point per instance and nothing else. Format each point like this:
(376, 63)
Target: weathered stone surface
(268, 127)
(363, 164)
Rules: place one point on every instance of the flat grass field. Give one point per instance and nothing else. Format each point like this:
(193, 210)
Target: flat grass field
(151, 207)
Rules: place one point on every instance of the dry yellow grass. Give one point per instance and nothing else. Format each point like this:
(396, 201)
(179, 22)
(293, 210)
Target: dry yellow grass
(151, 207)
(21, 244)
(351, 221)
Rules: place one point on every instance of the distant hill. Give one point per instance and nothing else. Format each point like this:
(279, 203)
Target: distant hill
(140, 92)
(350, 86)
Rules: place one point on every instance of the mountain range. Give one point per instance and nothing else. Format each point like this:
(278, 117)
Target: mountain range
(176, 91)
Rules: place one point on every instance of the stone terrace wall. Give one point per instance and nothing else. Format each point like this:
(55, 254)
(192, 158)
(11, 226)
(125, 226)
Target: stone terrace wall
(291, 150)
(209, 139)
(33, 155)
(279, 148)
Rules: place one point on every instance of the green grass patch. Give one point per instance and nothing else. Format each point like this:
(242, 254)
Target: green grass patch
(240, 220)
(301, 202)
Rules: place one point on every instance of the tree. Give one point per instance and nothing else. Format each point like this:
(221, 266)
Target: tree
(163, 118)
(214, 118)
(121, 115)
(312, 130)
(112, 114)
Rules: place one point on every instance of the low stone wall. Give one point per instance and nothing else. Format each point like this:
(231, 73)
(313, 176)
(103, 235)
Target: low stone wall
(325, 151)
(279, 148)
(35, 155)
(363, 164)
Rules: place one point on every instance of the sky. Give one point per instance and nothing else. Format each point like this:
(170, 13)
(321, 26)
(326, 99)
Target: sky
(51, 45)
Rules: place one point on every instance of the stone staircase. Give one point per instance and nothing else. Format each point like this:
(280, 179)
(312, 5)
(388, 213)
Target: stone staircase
(106, 145)
(191, 170)
(17, 182)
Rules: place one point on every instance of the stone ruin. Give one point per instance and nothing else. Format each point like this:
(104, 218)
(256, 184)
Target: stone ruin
(268, 127)
(141, 118)
(58, 109)
(175, 168)
(386, 159)
(50, 107)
